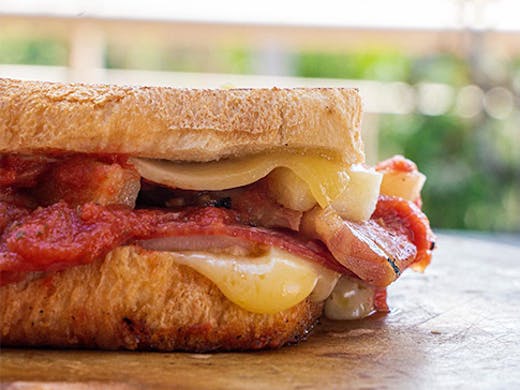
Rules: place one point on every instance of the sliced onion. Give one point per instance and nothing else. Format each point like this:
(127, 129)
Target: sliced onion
(326, 179)
(196, 243)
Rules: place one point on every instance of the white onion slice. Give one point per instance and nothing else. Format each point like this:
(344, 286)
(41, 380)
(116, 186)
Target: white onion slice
(195, 243)
(326, 179)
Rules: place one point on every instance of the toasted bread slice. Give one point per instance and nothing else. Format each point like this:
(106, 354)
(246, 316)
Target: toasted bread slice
(140, 300)
(177, 124)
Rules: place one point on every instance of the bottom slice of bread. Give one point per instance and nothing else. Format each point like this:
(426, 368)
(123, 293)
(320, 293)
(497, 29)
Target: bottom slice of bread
(140, 300)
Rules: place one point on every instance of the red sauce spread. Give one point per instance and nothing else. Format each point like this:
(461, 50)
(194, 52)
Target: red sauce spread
(75, 230)
(60, 236)
(10, 213)
(407, 218)
(24, 171)
(78, 180)
(21, 171)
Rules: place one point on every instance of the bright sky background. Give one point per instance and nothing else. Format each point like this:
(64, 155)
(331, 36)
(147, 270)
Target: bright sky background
(429, 14)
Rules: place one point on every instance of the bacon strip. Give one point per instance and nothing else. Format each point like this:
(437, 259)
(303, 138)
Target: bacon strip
(256, 207)
(378, 250)
(81, 179)
(406, 218)
(62, 236)
(21, 171)
(253, 204)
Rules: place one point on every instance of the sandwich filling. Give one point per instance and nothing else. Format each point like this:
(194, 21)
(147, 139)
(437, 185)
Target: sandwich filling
(290, 227)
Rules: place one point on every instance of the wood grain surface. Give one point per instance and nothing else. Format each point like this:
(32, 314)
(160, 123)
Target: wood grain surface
(456, 326)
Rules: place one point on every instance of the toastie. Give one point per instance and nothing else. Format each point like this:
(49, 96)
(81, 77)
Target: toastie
(149, 218)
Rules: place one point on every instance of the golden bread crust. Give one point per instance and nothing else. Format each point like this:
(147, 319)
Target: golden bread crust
(177, 124)
(138, 299)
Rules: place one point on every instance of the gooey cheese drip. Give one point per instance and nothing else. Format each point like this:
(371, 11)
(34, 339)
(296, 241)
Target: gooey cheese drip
(326, 179)
(277, 280)
(270, 283)
(351, 299)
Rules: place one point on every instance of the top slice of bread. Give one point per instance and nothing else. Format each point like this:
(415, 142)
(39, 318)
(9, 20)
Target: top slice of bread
(177, 124)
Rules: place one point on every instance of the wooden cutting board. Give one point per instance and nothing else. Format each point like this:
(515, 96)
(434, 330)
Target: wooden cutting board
(457, 325)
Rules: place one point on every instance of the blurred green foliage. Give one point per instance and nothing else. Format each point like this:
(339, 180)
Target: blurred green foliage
(371, 65)
(465, 189)
(45, 51)
(150, 56)
(472, 165)
(439, 68)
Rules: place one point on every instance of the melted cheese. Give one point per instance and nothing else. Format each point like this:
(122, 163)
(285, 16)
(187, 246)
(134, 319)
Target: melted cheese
(326, 179)
(358, 201)
(277, 280)
(406, 185)
(270, 283)
(351, 299)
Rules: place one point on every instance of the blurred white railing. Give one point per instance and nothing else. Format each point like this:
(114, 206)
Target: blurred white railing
(378, 97)
(88, 36)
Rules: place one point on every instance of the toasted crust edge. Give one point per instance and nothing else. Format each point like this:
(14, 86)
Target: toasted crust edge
(177, 124)
(140, 300)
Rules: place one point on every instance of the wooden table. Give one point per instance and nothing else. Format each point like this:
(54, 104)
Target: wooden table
(458, 325)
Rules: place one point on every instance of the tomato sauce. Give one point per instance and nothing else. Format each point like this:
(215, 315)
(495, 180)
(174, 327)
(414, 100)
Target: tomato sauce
(61, 236)
(21, 171)
(407, 218)
(71, 232)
